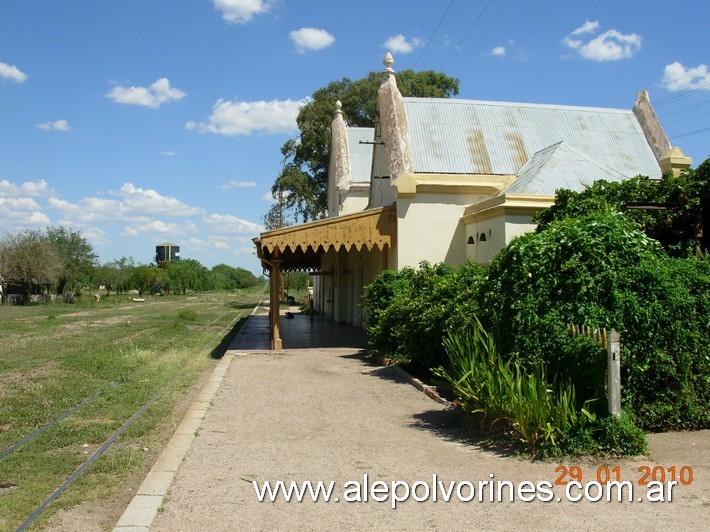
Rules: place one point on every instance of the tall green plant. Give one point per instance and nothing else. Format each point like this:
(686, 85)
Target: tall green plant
(502, 394)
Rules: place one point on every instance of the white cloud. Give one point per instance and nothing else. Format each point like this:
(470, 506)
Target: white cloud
(311, 39)
(89, 210)
(95, 235)
(38, 218)
(149, 201)
(153, 96)
(214, 242)
(237, 184)
(226, 224)
(244, 250)
(611, 45)
(677, 78)
(135, 206)
(498, 51)
(241, 11)
(194, 244)
(399, 44)
(12, 73)
(242, 118)
(587, 27)
(57, 125)
(167, 153)
(19, 204)
(21, 212)
(34, 189)
(158, 227)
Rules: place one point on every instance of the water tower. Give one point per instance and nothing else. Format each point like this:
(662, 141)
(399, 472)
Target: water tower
(164, 253)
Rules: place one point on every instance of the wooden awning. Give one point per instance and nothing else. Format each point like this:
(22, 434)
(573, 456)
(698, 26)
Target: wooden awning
(300, 247)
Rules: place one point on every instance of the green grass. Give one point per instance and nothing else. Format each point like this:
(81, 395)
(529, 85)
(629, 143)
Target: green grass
(54, 356)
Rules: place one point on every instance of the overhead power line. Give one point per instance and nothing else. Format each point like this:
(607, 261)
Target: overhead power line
(458, 46)
(685, 109)
(682, 94)
(690, 133)
(432, 34)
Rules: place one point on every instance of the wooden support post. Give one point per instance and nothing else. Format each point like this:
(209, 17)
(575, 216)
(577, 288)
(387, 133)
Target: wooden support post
(275, 299)
(614, 372)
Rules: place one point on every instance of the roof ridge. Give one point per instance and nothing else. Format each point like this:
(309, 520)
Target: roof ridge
(451, 101)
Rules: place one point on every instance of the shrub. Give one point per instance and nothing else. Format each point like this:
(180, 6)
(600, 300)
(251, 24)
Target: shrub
(187, 315)
(598, 270)
(384, 301)
(620, 436)
(409, 311)
(601, 271)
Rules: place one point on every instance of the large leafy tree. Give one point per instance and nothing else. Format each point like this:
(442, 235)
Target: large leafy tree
(29, 261)
(149, 278)
(76, 255)
(187, 274)
(302, 183)
(225, 277)
(116, 275)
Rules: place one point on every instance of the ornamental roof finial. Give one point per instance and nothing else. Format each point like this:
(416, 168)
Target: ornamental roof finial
(338, 108)
(388, 62)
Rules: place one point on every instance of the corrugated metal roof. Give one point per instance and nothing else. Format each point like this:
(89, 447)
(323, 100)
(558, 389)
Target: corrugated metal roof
(560, 166)
(479, 137)
(360, 154)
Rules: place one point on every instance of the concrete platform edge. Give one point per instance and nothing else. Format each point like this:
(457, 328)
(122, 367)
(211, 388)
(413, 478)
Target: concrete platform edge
(144, 507)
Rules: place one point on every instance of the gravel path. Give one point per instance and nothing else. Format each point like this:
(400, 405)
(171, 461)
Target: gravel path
(328, 415)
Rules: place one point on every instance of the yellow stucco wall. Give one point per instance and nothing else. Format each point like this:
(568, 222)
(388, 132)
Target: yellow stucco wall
(429, 228)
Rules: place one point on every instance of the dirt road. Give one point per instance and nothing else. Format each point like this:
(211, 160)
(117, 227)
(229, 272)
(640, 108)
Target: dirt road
(328, 415)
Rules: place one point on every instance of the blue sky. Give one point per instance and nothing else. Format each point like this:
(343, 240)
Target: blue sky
(139, 122)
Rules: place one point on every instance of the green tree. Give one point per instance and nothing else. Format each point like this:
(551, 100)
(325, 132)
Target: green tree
(77, 258)
(225, 277)
(277, 216)
(294, 281)
(304, 177)
(244, 278)
(186, 274)
(116, 275)
(149, 278)
(29, 261)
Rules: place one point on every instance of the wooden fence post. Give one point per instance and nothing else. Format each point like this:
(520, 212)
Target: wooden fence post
(614, 372)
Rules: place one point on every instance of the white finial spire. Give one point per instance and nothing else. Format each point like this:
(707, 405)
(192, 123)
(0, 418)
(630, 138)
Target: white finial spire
(338, 108)
(388, 62)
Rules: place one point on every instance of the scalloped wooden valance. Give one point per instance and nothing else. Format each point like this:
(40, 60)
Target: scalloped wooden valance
(300, 246)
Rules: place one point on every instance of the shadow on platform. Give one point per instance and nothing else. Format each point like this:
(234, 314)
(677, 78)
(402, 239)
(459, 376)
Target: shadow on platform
(299, 332)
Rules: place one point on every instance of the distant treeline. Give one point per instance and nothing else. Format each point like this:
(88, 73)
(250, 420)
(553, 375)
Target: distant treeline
(58, 260)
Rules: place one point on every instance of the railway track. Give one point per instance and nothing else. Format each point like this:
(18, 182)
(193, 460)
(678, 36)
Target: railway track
(112, 439)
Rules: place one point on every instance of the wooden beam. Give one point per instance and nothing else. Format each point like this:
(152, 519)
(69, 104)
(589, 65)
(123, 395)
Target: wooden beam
(275, 299)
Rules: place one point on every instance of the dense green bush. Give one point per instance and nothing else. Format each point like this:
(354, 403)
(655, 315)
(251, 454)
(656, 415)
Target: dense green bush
(607, 435)
(409, 311)
(588, 264)
(602, 271)
(675, 228)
